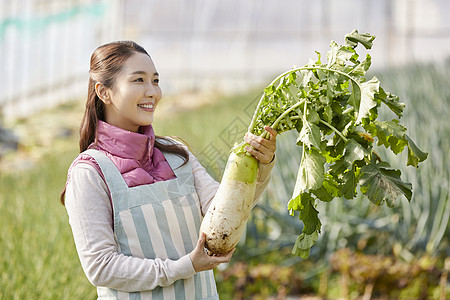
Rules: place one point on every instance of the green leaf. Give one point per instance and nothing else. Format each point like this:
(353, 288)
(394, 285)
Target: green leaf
(332, 87)
(355, 96)
(312, 117)
(328, 191)
(392, 101)
(348, 187)
(322, 75)
(300, 252)
(322, 194)
(339, 167)
(352, 39)
(311, 172)
(291, 78)
(389, 133)
(368, 90)
(295, 204)
(307, 74)
(304, 204)
(332, 53)
(310, 135)
(304, 243)
(335, 149)
(269, 90)
(354, 151)
(319, 57)
(338, 55)
(415, 155)
(362, 67)
(381, 184)
(328, 113)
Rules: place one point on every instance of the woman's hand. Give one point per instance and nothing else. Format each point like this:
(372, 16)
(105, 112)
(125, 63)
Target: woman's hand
(203, 261)
(263, 150)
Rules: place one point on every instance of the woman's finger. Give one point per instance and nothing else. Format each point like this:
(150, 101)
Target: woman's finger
(273, 133)
(258, 142)
(224, 258)
(201, 242)
(262, 157)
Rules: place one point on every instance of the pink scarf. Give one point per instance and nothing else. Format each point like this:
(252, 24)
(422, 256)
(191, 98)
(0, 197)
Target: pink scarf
(133, 153)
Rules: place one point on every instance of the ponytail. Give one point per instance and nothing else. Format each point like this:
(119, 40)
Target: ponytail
(95, 110)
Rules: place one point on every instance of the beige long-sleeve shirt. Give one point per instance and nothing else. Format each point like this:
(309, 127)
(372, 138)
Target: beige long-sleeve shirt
(91, 219)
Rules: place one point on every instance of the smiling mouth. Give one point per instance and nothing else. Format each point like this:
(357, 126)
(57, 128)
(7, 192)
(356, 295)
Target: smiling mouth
(147, 106)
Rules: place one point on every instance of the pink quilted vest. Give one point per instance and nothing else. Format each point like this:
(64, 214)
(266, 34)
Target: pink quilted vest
(133, 153)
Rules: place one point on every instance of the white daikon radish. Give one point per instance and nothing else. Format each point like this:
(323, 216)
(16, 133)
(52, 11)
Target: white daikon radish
(227, 216)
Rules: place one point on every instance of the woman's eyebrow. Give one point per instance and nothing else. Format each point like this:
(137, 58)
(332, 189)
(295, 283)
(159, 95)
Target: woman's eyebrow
(143, 73)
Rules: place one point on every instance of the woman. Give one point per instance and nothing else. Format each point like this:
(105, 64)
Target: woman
(135, 200)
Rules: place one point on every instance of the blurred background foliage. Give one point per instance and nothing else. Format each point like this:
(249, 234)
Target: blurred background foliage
(215, 59)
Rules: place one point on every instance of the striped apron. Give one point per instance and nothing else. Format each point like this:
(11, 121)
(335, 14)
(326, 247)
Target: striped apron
(159, 220)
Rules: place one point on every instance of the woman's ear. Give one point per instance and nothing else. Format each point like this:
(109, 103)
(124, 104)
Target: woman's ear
(102, 93)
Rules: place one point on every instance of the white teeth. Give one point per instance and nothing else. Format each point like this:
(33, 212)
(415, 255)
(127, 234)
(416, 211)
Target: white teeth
(146, 105)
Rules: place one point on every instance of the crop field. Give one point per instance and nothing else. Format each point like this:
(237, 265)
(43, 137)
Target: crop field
(39, 260)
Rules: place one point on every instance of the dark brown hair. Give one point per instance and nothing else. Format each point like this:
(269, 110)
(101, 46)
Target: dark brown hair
(106, 62)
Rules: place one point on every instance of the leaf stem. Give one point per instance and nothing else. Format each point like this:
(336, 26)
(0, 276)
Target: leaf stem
(327, 124)
(255, 115)
(323, 69)
(334, 129)
(286, 112)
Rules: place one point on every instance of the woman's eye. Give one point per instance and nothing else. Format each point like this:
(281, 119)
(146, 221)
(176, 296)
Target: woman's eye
(139, 80)
(156, 80)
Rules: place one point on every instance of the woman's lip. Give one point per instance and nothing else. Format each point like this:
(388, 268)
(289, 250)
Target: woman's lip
(147, 106)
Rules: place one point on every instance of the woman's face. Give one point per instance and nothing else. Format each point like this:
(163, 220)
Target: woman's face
(135, 94)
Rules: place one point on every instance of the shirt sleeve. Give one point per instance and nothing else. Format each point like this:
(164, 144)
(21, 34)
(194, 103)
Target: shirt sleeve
(207, 187)
(90, 217)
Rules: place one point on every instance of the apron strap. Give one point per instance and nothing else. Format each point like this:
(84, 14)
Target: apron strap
(112, 175)
(175, 162)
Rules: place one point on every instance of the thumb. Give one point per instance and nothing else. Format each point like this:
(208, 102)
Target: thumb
(201, 240)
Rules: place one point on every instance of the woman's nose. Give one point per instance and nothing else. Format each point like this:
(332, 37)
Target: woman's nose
(150, 91)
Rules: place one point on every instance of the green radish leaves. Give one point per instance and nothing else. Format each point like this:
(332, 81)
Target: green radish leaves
(381, 184)
(310, 135)
(367, 101)
(352, 39)
(311, 171)
(334, 108)
(304, 244)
